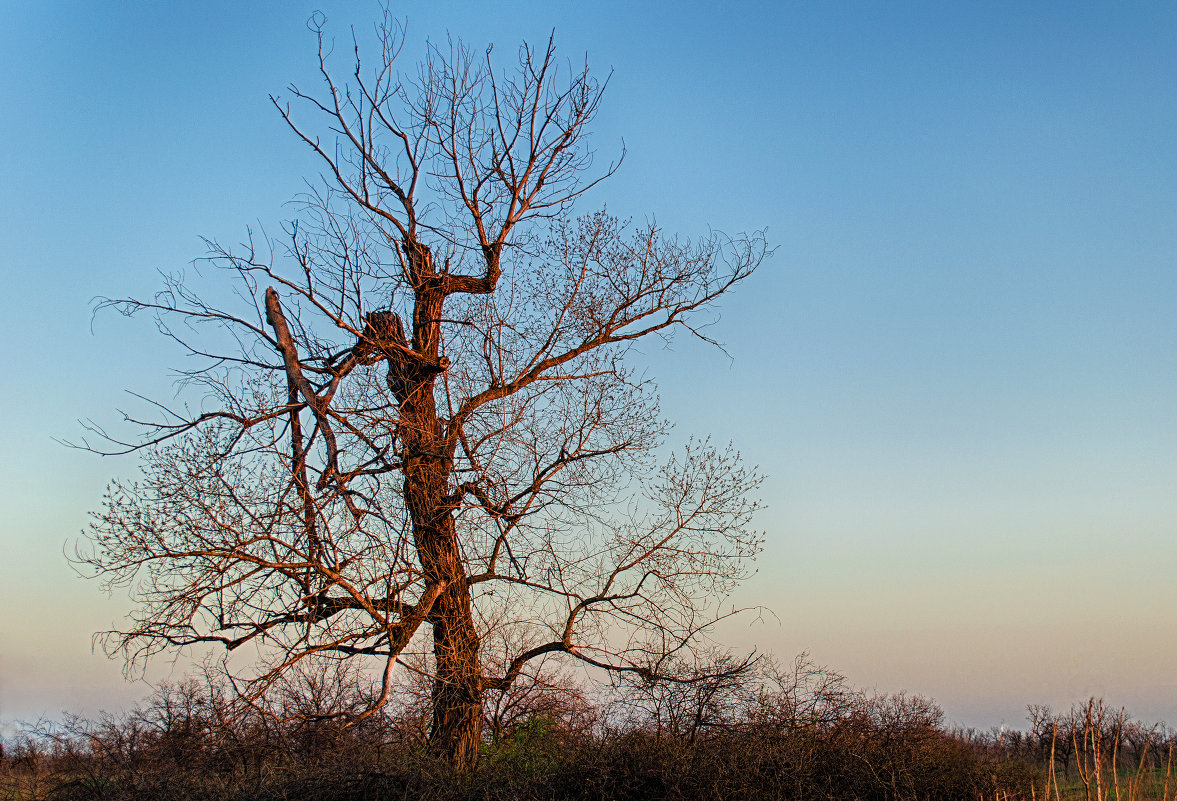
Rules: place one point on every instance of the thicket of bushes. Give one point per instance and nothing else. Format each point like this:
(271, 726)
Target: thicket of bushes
(736, 731)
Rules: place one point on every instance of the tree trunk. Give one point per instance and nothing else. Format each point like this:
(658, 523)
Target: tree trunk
(457, 688)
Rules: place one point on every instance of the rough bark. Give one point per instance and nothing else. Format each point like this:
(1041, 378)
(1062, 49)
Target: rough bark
(428, 466)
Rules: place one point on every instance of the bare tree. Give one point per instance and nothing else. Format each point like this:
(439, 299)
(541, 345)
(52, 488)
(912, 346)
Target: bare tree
(416, 414)
(682, 700)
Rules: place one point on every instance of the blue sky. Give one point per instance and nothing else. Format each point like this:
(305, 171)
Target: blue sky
(959, 371)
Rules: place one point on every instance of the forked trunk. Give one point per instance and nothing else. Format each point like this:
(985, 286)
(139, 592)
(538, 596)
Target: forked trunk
(428, 464)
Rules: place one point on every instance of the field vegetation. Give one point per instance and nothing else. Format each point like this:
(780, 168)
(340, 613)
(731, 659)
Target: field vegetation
(727, 729)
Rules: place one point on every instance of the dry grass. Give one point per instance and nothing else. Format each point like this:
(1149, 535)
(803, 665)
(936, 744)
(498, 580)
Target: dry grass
(797, 733)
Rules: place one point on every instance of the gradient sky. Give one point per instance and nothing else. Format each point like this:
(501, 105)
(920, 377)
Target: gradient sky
(959, 371)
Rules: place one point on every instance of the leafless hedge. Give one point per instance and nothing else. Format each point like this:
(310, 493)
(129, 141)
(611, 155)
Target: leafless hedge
(717, 728)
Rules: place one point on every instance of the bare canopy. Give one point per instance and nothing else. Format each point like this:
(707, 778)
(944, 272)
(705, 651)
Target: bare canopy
(416, 419)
